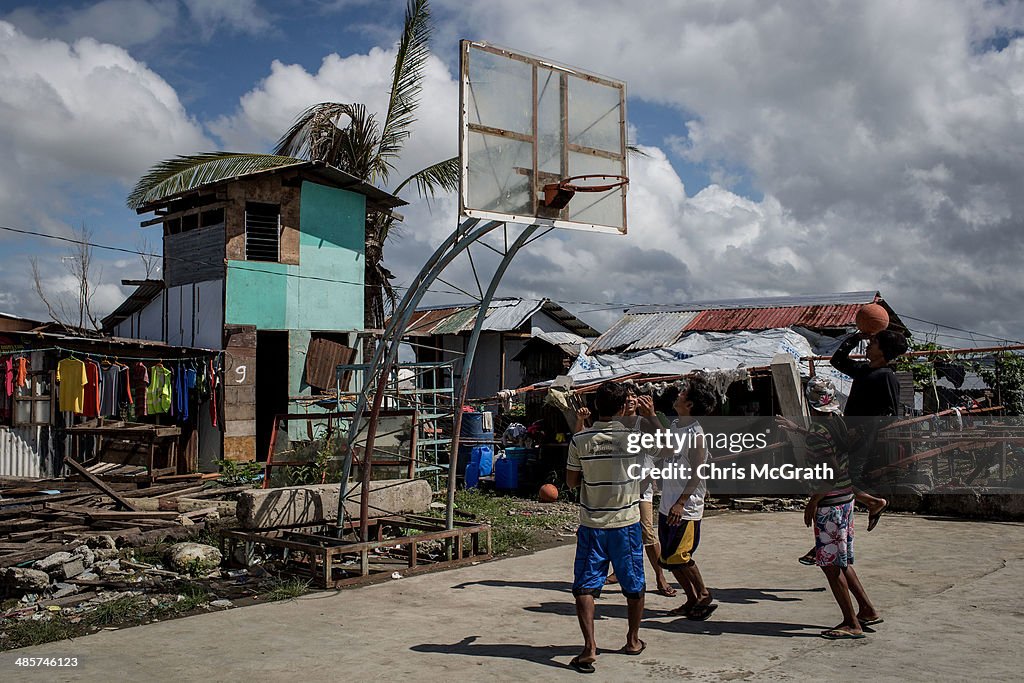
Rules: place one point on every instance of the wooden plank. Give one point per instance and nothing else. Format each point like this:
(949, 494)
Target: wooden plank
(34, 553)
(68, 497)
(323, 356)
(240, 448)
(98, 484)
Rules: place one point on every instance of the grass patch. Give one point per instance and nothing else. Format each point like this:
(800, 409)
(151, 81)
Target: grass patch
(26, 632)
(287, 589)
(516, 523)
(122, 610)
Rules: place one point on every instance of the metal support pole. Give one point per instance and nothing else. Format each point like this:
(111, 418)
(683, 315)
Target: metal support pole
(467, 365)
(384, 360)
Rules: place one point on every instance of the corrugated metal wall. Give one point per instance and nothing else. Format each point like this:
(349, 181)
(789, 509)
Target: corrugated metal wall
(22, 454)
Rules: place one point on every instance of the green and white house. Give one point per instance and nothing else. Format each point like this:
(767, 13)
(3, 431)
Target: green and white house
(268, 267)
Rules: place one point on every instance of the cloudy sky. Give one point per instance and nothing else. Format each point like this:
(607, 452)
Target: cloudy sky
(791, 147)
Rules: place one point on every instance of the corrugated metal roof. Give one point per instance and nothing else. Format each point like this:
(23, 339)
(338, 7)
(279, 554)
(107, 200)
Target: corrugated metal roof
(503, 315)
(815, 317)
(456, 322)
(839, 298)
(145, 291)
(639, 331)
(329, 175)
(649, 327)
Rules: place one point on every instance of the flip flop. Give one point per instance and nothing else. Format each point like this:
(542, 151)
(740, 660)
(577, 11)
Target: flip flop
(875, 516)
(807, 559)
(702, 612)
(582, 667)
(680, 611)
(643, 646)
(839, 634)
(870, 622)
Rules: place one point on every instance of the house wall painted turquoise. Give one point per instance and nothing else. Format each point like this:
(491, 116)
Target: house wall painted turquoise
(325, 290)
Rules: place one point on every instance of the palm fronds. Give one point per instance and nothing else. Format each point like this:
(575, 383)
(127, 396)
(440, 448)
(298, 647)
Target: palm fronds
(444, 175)
(183, 173)
(407, 80)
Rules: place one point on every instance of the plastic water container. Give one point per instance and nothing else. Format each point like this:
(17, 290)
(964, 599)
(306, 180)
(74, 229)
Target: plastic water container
(506, 474)
(484, 456)
(472, 476)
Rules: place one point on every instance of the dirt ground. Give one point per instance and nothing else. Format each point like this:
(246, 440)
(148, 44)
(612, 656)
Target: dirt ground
(949, 591)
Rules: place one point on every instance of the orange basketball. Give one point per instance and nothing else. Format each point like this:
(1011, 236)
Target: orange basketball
(872, 319)
(548, 493)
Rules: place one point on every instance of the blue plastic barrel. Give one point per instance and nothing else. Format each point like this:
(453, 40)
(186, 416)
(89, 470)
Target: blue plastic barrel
(472, 429)
(518, 453)
(506, 474)
(472, 425)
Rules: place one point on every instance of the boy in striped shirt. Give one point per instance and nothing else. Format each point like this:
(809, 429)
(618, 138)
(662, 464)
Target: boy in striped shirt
(609, 530)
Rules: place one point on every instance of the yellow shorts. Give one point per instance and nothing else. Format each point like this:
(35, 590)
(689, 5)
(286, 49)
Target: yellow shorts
(647, 522)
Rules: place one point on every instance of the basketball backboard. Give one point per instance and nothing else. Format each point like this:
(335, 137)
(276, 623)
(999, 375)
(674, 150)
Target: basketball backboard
(528, 122)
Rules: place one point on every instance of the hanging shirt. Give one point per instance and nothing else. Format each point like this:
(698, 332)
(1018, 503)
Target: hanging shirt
(21, 371)
(158, 396)
(140, 382)
(124, 394)
(91, 406)
(71, 375)
(110, 390)
(213, 394)
(8, 377)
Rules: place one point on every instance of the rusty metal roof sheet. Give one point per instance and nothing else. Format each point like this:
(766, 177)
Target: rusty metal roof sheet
(815, 317)
(648, 327)
(639, 331)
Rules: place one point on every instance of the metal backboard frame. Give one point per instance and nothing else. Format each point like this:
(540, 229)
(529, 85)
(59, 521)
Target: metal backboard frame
(529, 121)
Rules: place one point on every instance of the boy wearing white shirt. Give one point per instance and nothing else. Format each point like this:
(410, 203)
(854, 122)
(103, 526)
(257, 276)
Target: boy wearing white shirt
(682, 500)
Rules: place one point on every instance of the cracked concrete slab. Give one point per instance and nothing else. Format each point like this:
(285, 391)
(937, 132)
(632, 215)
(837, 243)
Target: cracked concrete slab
(949, 591)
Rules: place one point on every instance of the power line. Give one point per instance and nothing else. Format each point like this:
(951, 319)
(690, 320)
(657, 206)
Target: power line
(605, 305)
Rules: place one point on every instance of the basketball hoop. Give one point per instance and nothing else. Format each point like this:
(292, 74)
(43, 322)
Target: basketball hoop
(557, 195)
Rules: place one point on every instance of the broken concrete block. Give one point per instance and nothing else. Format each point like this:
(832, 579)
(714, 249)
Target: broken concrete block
(53, 561)
(297, 505)
(193, 557)
(25, 579)
(62, 590)
(86, 553)
(69, 570)
(100, 541)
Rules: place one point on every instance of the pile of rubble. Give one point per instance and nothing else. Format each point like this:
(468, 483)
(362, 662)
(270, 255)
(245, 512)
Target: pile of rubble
(73, 583)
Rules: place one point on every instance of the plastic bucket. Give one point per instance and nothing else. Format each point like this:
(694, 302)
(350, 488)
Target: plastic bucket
(506, 474)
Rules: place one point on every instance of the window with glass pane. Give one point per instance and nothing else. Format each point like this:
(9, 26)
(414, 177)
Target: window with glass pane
(32, 404)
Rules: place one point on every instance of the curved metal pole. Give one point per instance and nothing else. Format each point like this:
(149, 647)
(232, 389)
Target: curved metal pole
(467, 365)
(384, 361)
(371, 370)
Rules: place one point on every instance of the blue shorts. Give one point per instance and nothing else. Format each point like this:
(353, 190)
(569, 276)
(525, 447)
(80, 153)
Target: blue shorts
(622, 547)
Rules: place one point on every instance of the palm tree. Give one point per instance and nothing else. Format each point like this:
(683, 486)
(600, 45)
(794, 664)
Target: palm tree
(342, 135)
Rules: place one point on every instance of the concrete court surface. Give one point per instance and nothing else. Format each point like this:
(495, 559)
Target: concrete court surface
(951, 593)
